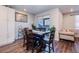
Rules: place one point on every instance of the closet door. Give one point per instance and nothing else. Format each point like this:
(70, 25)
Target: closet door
(3, 25)
(11, 25)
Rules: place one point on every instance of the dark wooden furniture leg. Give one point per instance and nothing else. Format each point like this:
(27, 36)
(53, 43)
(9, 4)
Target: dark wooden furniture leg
(23, 41)
(49, 47)
(27, 46)
(53, 47)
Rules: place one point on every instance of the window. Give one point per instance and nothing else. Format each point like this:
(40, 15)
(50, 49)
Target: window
(77, 22)
(44, 22)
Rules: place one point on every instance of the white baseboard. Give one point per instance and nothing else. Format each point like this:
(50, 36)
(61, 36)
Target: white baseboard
(6, 42)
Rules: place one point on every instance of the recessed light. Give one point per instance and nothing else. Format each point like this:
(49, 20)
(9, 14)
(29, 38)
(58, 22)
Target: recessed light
(71, 10)
(24, 9)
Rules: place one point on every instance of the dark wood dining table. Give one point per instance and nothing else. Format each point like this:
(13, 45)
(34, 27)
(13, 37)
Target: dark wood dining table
(40, 34)
(39, 38)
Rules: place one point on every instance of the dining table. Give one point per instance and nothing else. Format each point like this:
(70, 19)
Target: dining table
(40, 34)
(39, 38)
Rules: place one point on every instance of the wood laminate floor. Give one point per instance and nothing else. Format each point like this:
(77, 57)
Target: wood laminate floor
(61, 46)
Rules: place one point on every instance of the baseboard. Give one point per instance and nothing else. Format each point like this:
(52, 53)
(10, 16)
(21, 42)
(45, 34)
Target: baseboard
(7, 43)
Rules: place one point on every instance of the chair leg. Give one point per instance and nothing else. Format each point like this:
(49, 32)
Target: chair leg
(27, 46)
(53, 47)
(24, 41)
(49, 48)
(32, 48)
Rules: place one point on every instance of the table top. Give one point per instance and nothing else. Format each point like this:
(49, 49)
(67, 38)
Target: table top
(40, 32)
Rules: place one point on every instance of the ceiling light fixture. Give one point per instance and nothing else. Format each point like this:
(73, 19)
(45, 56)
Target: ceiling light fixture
(71, 10)
(24, 9)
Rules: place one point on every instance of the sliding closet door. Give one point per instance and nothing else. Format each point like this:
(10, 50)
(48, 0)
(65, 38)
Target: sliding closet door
(3, 25)
(11, 25)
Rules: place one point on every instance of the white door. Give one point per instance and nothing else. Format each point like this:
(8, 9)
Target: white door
(3, 25)
(11, 25)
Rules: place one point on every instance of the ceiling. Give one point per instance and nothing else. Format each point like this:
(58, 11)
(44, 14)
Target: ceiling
(35, 9)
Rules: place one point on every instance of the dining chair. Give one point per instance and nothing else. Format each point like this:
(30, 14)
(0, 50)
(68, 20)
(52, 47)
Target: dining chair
(34, 42)
(38, 45)
(30, 41)
(50, 41)
(24, 36)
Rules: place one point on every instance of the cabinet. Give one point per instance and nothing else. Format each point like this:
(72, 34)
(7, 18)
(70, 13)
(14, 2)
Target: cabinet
(3, 25)
(7, 25)
(11, 25)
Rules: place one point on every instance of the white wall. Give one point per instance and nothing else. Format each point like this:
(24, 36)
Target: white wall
(68, 21)
(22, 25)
(56, 19)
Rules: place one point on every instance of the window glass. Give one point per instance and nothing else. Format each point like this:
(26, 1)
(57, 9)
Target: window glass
(77, 22)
